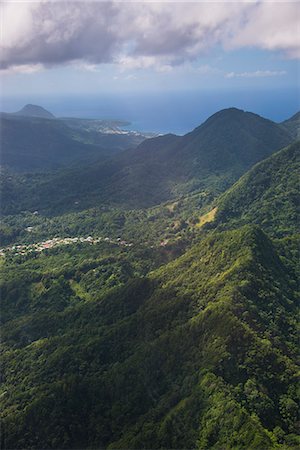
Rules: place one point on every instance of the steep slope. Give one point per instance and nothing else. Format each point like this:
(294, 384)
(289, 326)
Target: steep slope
(267, 195)
(110, 348)
(209, 160)
(197, 355)
(293, 125)
(233, 135)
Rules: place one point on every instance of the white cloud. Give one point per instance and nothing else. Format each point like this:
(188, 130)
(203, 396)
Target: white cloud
(256, 74)
(23, 68)
(141, 34)
(206, 69)
(271, 26)
(144, 62)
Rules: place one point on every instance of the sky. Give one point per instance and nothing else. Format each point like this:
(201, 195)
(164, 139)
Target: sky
(166, 65)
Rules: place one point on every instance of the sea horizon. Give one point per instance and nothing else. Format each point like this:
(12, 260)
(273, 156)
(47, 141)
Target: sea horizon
(171, 112)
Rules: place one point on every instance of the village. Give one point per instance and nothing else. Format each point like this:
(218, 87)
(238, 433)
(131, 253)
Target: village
(24, 249)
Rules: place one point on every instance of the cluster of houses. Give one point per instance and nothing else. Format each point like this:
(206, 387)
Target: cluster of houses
(23, 249)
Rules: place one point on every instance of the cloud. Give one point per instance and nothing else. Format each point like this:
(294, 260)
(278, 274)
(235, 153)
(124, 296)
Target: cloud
(141, 35)
(256, 74)
(206, 69)
(23, 69)
(55, 33)
(271, 26)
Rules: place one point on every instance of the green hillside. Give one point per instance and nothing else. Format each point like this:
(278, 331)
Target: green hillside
(267, 195)
(37, 143)
(209, 159)
(176, 359)
(167, 327)
(292, 125)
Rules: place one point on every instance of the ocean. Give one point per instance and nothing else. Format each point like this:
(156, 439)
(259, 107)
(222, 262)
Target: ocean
(164, 112)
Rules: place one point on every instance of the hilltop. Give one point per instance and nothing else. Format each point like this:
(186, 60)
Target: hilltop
(172, 326)
(33, 140)
(209, 159)
(34, 111)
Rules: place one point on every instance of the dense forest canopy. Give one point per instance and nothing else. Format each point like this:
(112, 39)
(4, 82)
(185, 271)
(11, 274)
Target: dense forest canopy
(151, 300)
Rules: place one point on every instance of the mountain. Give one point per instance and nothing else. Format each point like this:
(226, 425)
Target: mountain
(208, 160)
(190, 343)
(42, 144)
(34, 111)
(267, 195)
(31, 144)
(176, 359)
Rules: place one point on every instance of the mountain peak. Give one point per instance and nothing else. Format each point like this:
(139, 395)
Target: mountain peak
(230, 118)
(35, 111)
(230, 113)
(231, 110)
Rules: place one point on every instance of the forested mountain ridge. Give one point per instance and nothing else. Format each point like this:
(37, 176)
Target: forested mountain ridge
(176, 360)
(209, 159)
(293, 125)
(39, 144)
(267, 195)
(34, 140)
(187, 337)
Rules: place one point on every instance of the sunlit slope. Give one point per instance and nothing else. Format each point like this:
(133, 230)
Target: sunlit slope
(267, 195)
(199, 354)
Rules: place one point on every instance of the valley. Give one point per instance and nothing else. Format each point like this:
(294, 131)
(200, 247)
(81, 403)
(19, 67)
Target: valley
(149, 233)
(210, 159)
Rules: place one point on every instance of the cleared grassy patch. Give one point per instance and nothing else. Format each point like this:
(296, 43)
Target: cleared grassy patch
(208, 217)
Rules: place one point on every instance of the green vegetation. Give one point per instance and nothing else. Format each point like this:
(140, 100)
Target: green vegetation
(186, 339)
(207, 218)
(162, 169)
(173, 358)
(267, 195)
(292, 125)
(31, 144)
(166, 221)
